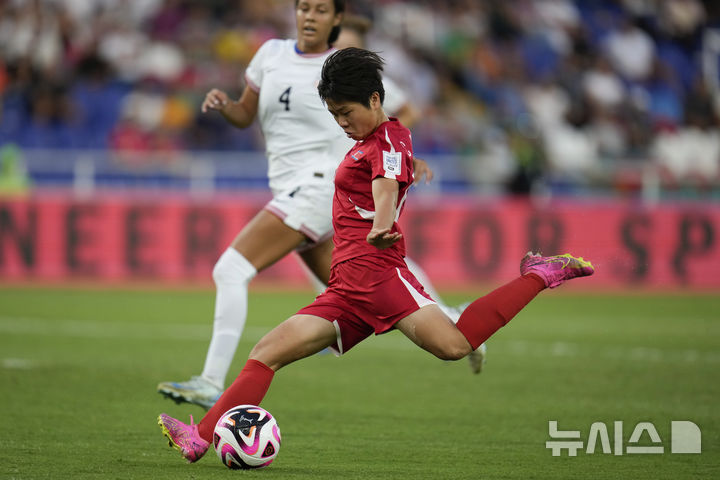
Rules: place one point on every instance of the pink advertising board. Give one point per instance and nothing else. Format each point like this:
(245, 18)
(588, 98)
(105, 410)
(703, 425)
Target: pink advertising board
(461, 241)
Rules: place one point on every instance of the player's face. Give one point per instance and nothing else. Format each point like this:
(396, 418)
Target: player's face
(357, 120)
(314, 20)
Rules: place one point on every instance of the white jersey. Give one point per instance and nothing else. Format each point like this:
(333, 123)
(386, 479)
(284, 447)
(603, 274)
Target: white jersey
(299, 131)
(302, 139)
(395, 98)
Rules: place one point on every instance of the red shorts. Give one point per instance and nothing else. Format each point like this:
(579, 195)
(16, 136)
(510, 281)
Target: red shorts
(365, 295)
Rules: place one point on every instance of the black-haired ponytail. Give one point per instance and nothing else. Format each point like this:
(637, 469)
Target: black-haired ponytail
(335, 32)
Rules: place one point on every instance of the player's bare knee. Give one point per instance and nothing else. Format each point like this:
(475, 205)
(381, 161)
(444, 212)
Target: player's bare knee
(257, 352)
(265, 355)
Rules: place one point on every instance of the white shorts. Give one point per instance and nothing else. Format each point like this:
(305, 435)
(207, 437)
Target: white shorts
(306, 208)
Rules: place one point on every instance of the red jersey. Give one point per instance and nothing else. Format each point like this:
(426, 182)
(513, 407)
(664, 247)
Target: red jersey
(387, 152)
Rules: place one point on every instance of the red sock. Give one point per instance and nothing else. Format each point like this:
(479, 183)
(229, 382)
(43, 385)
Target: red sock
(488, 314)
(249, 388)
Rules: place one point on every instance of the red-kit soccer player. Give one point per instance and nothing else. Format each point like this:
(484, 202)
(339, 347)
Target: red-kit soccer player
(371, 289)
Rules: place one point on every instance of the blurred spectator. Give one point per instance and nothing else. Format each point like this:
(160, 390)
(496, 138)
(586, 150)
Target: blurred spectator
(547, 102)
(602, 85)
(682, 21)
(572, 152)
(660, 96)
(688, 156)
(631, 50)
(595, 83)
(51, 119)
(690, 153)
(97, 98)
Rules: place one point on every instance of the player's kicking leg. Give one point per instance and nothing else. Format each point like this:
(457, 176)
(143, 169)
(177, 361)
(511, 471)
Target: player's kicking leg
(554, 270)
(486, 315)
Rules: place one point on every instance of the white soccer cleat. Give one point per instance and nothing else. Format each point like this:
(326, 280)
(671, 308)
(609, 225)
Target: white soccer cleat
(197, 390)
(477, 358)
(454, 312)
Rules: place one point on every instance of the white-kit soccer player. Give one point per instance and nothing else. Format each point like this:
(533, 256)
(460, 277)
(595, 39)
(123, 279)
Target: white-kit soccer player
(304, 145)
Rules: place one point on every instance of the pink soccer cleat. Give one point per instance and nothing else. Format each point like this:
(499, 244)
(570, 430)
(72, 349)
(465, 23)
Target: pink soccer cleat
(555, 270)
(184, 438)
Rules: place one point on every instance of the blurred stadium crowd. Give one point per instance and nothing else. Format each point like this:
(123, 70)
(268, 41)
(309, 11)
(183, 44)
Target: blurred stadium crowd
(571, 90)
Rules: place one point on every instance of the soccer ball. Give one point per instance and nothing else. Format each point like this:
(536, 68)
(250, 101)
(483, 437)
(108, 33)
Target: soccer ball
(246, 436)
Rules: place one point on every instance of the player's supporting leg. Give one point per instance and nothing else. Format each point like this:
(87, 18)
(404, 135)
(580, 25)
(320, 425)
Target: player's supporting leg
(298, 337)
(477, 359)
(316, 261)
(315, 282)
(232, 275)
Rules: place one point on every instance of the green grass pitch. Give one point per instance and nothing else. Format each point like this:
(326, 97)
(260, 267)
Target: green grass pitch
(79, 368)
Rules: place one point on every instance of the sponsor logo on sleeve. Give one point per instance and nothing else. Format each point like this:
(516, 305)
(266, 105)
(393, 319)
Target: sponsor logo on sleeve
(392, 162)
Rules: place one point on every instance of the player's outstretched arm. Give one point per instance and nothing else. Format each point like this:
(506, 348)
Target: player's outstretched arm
(422, 170)
(240, 113)
(385, 194)
(407, 114)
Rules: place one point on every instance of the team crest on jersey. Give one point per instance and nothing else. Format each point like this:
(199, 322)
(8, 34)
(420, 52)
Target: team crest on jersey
(357, 155)
(392, 162)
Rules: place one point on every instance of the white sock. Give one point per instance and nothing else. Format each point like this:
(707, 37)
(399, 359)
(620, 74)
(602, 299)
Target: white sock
(422, 277)
(232, 274)
(316, 283)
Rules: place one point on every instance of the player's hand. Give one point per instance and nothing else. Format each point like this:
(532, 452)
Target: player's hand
(382, 238)
(215, 100)
(422, 169)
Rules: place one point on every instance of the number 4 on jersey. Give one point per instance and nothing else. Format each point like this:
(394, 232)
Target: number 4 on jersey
(285, 98)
